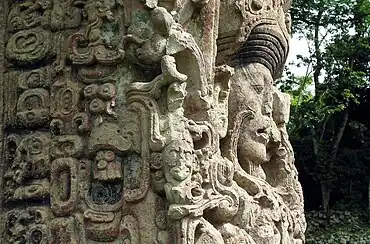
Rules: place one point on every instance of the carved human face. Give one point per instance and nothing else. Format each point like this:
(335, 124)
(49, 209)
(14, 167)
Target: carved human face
(255, 130)
(178, 158)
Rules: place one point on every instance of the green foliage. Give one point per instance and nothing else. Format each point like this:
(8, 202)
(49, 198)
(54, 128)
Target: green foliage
(325, 99)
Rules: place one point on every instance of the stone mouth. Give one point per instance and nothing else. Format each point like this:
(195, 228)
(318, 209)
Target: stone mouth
(263, 135)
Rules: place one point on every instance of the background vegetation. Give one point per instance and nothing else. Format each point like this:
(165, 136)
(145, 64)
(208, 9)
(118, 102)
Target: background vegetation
(330, 114)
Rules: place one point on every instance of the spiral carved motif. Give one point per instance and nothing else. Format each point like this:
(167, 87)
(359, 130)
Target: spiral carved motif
(28, 46)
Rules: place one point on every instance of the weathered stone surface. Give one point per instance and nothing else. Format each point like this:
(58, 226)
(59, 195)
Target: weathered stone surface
(146, 121)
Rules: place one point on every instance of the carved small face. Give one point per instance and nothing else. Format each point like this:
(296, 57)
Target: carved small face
(108, 166)
(176, 95)
(33, 102)
(178, 158)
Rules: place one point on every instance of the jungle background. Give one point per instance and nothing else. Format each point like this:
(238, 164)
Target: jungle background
(330, 117)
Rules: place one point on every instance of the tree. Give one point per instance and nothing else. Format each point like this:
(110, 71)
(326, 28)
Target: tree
(337, 32)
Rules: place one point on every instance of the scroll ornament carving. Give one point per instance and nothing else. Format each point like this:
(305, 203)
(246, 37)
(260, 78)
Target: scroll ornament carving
(120, 133)
(99, 47)
(29, 46)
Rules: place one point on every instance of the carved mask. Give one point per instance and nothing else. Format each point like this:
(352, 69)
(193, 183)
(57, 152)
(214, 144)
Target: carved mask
(178, 158)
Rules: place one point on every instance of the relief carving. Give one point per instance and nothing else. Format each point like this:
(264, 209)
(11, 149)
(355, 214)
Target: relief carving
(30, 224)
(28, 46)
(28, 14)
(27, 174)
(148, 122)
(33, 108)
(98, 42)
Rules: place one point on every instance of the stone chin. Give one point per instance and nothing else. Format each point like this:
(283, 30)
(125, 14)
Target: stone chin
(250, 151)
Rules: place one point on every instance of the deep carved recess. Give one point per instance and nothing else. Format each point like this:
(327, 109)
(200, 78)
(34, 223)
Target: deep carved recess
(146, 121)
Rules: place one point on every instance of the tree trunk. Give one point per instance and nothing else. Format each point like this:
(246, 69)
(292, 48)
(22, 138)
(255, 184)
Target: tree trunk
(325, 194)
(340, 133)
(318, 55)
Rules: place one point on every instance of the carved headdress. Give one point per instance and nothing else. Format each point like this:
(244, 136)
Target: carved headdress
(259, 33)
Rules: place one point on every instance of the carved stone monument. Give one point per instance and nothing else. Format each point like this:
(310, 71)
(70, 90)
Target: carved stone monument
(146, 122)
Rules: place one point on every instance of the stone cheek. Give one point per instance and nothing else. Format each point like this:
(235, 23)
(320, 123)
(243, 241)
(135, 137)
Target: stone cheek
(146, 122)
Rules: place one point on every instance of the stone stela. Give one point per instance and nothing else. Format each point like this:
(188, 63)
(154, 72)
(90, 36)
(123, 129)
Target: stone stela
(146, 122)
